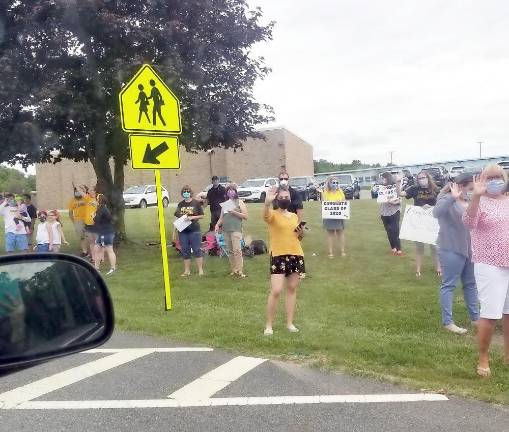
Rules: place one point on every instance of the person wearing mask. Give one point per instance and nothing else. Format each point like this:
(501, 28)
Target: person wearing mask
(286, 256)
(78, 213)
(487, 217)
(215, 196)
(44, 236)
(190, 237)
(390, 213)
(32, 214)
(231, 224)
(15, 230)
(454, 250)
(105, 232)
(424, 194)
(57, 232)
(335, 227)
(296, 205)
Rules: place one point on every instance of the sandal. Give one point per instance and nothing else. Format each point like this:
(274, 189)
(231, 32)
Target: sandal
(418, 274)
(331, 256)
(185, 274)
(483, 372)
(241, 275)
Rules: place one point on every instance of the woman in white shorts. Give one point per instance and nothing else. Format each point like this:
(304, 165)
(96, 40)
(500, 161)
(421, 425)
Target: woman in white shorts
(487, 216)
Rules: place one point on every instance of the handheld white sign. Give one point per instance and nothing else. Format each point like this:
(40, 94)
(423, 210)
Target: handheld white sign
(419, 225)
(335, 210)
(386, 193)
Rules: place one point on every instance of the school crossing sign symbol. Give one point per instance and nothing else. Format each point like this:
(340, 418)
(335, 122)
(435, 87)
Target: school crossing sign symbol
(147, 105)
(150, 113)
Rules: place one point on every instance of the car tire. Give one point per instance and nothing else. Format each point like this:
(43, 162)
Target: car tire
(143, 204)
(165, 202)
(262, 197)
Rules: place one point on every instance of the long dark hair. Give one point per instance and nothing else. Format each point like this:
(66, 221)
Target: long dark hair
(432, 186)
(388, 177)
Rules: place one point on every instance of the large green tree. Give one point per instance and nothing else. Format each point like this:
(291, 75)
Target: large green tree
(64, 62)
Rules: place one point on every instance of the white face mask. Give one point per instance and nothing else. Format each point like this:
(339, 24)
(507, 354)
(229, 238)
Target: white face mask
(283, 183)
(423, 182)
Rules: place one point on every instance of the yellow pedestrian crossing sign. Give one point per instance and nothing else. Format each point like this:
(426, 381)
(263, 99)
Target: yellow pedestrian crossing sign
(154, 152)
(148, 105)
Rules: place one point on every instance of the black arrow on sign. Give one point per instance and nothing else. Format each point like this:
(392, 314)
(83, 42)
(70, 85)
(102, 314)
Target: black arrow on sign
(151, 154)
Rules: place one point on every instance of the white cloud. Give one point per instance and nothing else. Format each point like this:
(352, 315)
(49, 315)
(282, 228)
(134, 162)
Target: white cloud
(360, 78)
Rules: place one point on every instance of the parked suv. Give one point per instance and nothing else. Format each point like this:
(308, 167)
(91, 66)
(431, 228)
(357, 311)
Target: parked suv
(144, 196)
(306, 186)
(455, 170)
(255, 190)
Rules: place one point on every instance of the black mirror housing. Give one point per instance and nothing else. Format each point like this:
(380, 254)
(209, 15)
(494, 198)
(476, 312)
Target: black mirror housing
(51, 305)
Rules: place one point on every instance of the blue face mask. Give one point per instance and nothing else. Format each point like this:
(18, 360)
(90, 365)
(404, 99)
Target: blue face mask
(333, 186)
(495, 187)
(186, 195)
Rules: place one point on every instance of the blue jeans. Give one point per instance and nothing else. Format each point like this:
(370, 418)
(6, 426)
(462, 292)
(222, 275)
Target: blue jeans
(188, 241)
(455, 267)
(44, 247)
(16, 242)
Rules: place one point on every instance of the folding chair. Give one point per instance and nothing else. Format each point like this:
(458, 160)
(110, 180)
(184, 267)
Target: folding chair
(221, 245)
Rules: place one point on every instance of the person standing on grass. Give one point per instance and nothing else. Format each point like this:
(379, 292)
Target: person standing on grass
(286, 255)
(77, 211)
(44, 236)
(487, 217)
(16, 239)
(231, 224)
(190, 238)
(215, 196)
(58, 235)
(454, 251)
(335, 227)
(90, 208)
(425, 194)
(32, 214)
(105, 231)
(390, 213)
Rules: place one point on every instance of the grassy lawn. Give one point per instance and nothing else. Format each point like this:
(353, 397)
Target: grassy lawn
(365, 314)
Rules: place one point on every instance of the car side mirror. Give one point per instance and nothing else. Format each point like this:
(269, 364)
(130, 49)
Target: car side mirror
(51, 305)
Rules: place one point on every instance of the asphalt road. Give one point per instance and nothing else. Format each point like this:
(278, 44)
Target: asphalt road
(143, 384)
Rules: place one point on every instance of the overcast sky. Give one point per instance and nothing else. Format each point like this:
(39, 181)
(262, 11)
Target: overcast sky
(357, 79)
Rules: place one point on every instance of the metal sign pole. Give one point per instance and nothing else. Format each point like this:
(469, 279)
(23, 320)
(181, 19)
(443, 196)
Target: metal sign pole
(164, 247)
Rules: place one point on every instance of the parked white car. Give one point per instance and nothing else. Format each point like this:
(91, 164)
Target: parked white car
(255, 190)
(144, 196)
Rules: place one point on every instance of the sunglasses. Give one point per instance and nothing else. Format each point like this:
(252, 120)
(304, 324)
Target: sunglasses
(334, 183)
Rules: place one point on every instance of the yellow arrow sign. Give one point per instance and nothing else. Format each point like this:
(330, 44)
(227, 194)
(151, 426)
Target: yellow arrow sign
(148, 105)
(154, 152)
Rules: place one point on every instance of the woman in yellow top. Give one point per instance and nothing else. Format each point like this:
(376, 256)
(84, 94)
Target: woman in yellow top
(335, 227)
(286, 255)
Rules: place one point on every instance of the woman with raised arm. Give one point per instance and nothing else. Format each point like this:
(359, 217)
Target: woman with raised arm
(487, 217)
(286, 256)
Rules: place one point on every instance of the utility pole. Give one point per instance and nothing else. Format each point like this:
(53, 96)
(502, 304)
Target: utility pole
(480, 148)
(391, 153)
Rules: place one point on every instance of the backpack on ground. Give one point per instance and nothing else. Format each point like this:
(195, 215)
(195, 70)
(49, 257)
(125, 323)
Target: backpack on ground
(258, 247)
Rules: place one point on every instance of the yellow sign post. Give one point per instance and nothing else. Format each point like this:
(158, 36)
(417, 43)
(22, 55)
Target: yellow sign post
(151, 112)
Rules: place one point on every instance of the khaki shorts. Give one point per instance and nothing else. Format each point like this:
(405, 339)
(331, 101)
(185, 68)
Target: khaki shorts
(79, 227)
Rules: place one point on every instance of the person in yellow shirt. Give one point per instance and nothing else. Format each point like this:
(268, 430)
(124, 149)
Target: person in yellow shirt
(335, 227)
(286, 255)
(77, 209)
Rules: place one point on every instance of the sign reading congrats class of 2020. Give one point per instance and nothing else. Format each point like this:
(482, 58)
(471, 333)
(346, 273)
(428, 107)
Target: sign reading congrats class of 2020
(335, 210)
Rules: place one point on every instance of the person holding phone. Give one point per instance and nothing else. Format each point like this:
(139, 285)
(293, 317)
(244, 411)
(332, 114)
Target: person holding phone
(335, 227)
(286, 255)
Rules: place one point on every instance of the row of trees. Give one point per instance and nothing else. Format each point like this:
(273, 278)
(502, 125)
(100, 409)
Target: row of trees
(63, 64)
(322, 165)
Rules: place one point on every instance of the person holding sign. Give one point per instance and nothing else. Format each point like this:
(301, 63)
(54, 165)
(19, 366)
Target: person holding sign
(454, 250)
(390, 213)
(286, 255)
(335, 227)
(233, 213)
(425, 194)
(487, 217)
(190, 237)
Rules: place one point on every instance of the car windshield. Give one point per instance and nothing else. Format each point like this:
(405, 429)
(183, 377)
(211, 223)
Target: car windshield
(344, 179)
(252, 183)
(135, 190)
(297, 181)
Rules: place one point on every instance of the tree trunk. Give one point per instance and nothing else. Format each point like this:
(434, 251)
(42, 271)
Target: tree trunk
(112, 186)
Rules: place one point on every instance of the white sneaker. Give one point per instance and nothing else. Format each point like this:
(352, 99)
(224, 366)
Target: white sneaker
(455, 329)
(268, 331)
(292, 329)
(110, 271)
